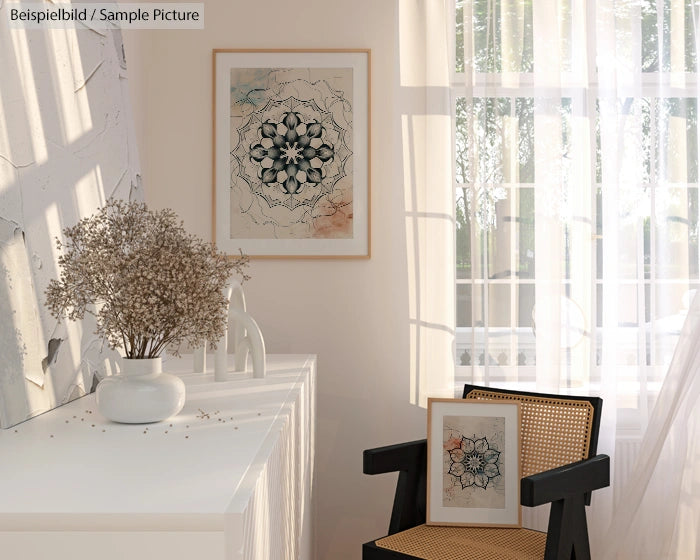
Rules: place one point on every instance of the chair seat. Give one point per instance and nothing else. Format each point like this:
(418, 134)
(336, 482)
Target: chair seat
(467, 543)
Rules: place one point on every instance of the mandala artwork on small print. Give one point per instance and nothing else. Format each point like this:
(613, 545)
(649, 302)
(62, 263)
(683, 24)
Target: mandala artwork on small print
(473, 462)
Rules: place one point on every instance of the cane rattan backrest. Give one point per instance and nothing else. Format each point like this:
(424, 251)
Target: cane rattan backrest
(554, 431)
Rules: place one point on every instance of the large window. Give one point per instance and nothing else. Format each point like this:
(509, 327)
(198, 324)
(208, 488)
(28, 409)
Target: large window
(576, 181)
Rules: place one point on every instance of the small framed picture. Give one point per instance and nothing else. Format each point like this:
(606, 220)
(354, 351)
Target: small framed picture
(291, 152)
(473, 463)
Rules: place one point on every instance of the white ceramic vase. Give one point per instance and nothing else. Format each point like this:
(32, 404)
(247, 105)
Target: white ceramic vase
(141, 393)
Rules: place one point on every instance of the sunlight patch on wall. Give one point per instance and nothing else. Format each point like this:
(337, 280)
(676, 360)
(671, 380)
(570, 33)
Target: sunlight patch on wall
(23, 310)
(27, 75)
(74, 105)
(7, 172)
(89, 192)
(21, 337)
(52, 220)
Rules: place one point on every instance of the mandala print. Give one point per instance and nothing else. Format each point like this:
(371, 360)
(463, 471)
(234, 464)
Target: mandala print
(291, 153)
(474, 463)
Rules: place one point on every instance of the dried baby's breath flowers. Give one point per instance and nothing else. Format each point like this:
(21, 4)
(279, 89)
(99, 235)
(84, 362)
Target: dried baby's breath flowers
(149, 283)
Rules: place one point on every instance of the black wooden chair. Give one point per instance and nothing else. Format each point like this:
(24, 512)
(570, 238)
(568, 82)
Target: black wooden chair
(559, 437)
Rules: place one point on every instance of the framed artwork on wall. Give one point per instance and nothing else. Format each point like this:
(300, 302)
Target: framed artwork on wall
(291, 159)
(473, 463)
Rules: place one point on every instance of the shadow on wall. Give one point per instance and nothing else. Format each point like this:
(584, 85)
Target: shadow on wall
(66, 145)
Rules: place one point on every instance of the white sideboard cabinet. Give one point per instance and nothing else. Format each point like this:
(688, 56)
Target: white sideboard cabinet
(228, 478)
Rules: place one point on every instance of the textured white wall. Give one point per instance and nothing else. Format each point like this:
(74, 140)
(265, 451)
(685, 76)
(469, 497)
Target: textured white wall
(66, 144)
(353, 314)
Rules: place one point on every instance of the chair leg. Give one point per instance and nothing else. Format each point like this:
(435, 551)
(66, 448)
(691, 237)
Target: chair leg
(567, 535)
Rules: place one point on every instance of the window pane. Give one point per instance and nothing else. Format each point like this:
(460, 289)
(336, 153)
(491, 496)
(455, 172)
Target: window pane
(676, 146)
(484, 203)
(647, 307)
(526, 232)
(491, 137)
(673, 233)
(472, 307)
(565, 112)
(631, 231)
(487, 35)
(513, 223)
(463, 171)
(464, 305)
(599, 233)
(499, 238)
(654, 55)
(691, 54)
(526, 303)
(463, 235)
(499, 305)
(627, 306)
(503, 144)
(649, 140)
(502, 31)
(675, 38)
(650, 37)
(693, 247)
(691, 125)
(525, 113)
(566, 33)
(598, 152)
(516, 46)
(635, 137)
(479, 252)
(478, 304)
(631, 261)
(459, 36)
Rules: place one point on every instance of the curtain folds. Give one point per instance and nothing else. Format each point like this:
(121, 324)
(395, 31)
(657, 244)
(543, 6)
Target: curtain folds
(658, 515)
(571, 131)
(423, 109)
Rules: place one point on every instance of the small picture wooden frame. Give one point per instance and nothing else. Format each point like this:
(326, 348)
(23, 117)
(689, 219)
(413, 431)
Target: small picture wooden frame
(473, 463)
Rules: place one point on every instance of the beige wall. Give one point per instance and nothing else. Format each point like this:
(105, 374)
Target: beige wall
(353, 314)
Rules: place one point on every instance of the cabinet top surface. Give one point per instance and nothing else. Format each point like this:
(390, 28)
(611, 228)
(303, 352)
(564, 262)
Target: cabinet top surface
(72, 461)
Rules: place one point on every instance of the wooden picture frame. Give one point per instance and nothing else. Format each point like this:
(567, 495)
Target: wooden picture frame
(291, 152)
(473, 463)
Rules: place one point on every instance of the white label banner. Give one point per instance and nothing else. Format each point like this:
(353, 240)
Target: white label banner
(145, 15)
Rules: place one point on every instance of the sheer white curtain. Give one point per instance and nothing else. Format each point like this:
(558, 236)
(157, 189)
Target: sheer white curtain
(658, 514)
(576, 212)
(425, 154)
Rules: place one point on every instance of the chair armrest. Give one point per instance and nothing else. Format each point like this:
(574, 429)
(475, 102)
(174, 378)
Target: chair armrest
(391, 458)
(581, 477)
(409, 499)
